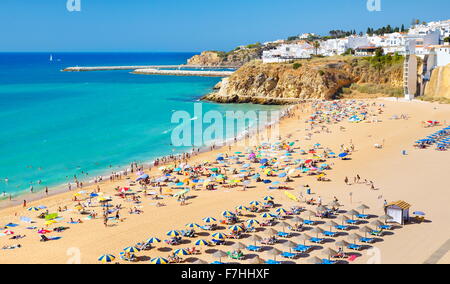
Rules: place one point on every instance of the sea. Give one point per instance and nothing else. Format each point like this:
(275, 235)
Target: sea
(57, 125)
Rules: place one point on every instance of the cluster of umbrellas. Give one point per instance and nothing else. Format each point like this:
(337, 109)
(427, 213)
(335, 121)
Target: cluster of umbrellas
(441, 138)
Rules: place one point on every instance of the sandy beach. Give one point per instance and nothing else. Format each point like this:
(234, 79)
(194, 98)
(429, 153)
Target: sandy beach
(418, 178)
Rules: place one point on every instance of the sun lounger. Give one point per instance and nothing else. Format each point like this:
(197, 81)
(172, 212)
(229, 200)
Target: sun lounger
(267, 242)
(317, 240)
(342, 227)
(235, 256)
(302, 248)
(254, 248)
(367, 240)
(284, 235)
(352, 222)
(385, 227)
(309, 222)
(362, 216)
(289, 255)
(217, 262)
(379, 233)
(218, 242)
(327, 261)
(355, 247)
(330, 234)
(271, 261)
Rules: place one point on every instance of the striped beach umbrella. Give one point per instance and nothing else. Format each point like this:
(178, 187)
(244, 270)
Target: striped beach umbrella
(266, 215)
(240, 207)
(173, 233)
(209, 220)
(252, 222)
(219, 236)
(106, 258)
(281, 211)
(153, 241)
(235, 228)
(34, 209)
(227, 214)
(192, 225)
(268, 198)
(8, 232)
(131, 249)
(202, 243)
(181, 252)
(255, 203)
(159, 260)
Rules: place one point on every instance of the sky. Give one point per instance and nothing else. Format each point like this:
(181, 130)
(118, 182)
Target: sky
(191, 25)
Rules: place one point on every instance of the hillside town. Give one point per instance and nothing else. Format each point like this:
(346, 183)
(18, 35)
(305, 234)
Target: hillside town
(429, 41)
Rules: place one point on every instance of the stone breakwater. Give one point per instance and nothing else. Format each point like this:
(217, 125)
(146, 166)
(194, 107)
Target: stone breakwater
(183, 72)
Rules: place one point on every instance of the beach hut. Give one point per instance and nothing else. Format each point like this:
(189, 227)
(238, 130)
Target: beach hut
(399, 210)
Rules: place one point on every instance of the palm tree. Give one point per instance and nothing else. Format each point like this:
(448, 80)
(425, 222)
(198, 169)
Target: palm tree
(316, 45)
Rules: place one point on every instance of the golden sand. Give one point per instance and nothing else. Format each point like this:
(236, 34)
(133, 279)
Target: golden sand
(420, 178)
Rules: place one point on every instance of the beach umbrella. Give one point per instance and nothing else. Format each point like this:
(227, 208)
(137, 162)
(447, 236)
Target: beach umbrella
(282, 175)
(385, 218)
(219, 236)
(8, 232)
(281, 211)
(353, 213)
(266, 215)
(252, 222)
(343, 219)
(310, 213)
(331, 224)
(219, 254)
(228, 214)
(209, 220)
(322, 208)
(334, 204)
(271, 232)
(290, 245)
(343, 155)
(365, 230)
(274, 252)
(131, 249)
(192, 225)
(283, 225)
(314, 260)
(173, 233)
(377, 223)
(43, 232)
(202, 243)
(159, 260)
(181, 252)
(255, 203)
(236, 228)
(297, 220)
(199, 261)
(238, 246)
(268, 198)
(34, 209)
(363, 207)
(49, 222)
(240, 207)
(256, 260)
(263, 161)
(106, 258)
(153, 241)
(342, 244)
(255, 239)
(317, 231)
(354, 237)
(329, 253)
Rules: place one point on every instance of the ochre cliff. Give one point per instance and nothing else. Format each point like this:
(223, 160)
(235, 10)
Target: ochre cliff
(439, 84)
(283, 83)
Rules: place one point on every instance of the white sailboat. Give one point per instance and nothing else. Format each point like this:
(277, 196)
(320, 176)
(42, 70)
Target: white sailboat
(51, 57)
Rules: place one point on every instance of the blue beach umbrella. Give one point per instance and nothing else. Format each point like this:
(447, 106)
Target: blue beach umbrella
(219, 236)
(209, 220)
(181, 252)
(131, 249)
(153, 241)
(202, 243)
(343, 155)
(159, 260)
(173, 233)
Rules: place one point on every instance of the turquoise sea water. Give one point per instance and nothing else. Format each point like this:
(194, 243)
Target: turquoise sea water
(55, 125)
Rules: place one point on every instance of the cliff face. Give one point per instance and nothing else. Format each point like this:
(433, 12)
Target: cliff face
(235, 58)
(439, 84)
(284, 83)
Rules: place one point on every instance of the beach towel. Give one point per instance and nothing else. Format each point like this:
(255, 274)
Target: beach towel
(11, 225)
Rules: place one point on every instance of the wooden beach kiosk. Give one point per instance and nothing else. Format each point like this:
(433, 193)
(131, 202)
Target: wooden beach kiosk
(399, 211)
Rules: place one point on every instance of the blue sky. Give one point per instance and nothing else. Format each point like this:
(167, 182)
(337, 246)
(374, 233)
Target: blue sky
(191, 25)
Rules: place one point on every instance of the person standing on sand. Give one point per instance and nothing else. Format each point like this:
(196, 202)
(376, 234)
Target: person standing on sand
(46, 190)
(24, 203)
(346, 180)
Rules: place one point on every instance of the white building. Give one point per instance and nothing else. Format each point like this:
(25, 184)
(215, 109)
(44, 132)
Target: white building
(288, 52)
(340, 45)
